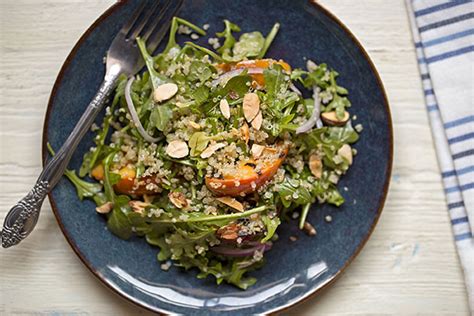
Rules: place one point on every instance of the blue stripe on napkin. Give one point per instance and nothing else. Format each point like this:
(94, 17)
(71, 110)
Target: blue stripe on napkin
(443, 34)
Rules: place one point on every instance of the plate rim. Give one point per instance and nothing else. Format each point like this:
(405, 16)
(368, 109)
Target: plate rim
(308, 295)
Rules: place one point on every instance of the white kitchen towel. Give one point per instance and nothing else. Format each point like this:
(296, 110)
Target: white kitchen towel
(443, 32)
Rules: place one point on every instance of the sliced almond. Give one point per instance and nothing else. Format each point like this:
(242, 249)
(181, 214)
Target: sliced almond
(257, 151)
(316, 166)
(311, 65)
(138, 206)
(194, 125)
(309, 229)
(346, 152)
(251, 106)
(331, 118)
(177, 149)
(227, 200)
(165, 92)
(225, 109)
(257, 121)
(105, 208)
(178, 199)
(245, 132)
(229, 232)
(211, 149)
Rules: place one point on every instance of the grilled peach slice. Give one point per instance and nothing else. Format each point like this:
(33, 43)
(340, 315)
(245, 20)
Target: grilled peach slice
(246, 177)
(127, 181)
(255, 63)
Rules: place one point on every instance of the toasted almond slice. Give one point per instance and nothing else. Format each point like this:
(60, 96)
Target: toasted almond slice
(346, 152)
(227, 200)
(316, 166)
(177, 149)
(178, 199)
(229, 232)
(225, 109)
(211, 149)
(245, 132)
(257, 150)
(138, 206)
(311, 65)
(194, 125)
(105, 208)
(331, 118)
(165, 92)
(257, 121)
(251, 106)
(309, 229)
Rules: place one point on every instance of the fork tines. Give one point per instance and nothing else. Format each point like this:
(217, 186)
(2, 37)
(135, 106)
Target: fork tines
(151, 20)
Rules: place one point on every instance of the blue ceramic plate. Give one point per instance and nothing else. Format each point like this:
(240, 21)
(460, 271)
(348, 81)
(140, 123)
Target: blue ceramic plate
(294, 271)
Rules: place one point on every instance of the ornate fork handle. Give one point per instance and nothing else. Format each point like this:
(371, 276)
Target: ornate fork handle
(22, 218)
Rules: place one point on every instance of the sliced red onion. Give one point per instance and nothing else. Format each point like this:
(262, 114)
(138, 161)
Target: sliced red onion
(295, 89)
(134, 115)
(314, 119)
(230, 74)
(241, 252)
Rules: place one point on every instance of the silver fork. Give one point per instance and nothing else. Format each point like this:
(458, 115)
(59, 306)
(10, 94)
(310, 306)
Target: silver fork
(150, 22)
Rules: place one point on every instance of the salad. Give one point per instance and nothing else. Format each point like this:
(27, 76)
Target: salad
(207, 151)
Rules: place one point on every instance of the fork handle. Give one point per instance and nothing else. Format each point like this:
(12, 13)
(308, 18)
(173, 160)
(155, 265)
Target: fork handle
(22, 218)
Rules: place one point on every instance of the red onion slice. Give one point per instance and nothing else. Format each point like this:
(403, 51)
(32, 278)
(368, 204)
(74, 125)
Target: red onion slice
(295, 89)
(314, 119)
(134, 115)
(230, 74)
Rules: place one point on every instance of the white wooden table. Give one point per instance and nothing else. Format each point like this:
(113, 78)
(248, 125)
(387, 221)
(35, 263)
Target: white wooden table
(408, 267)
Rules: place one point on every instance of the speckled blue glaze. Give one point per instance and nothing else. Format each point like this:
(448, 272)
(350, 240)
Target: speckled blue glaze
(294, 270)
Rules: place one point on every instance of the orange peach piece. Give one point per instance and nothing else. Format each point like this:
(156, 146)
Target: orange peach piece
(126, 182)
(255, 63)
(245, 179)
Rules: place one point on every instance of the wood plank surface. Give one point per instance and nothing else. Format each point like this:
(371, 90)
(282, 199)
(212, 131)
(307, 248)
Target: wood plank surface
(408, 267)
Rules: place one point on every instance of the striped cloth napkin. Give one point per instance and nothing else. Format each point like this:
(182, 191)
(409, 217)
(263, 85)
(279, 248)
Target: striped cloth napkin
(443, 32)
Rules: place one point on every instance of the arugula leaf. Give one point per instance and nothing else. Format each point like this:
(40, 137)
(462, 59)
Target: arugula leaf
(304, 214)
(184, 242)
(160, 116)
(198, 142)
(174, 28)
(200, 95)
(109, 191)
(268, 40)
(274, 80)
(118, 222)
(199, 71)
(156, 78)
(216, 219)
(271, 225)
(206, 51)
(249, 45)
(238, 85)
(84, 189)
(290, 192)
(338, 103)
(232, 272)
(229, 38)
(334, 197)
(330, 136)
